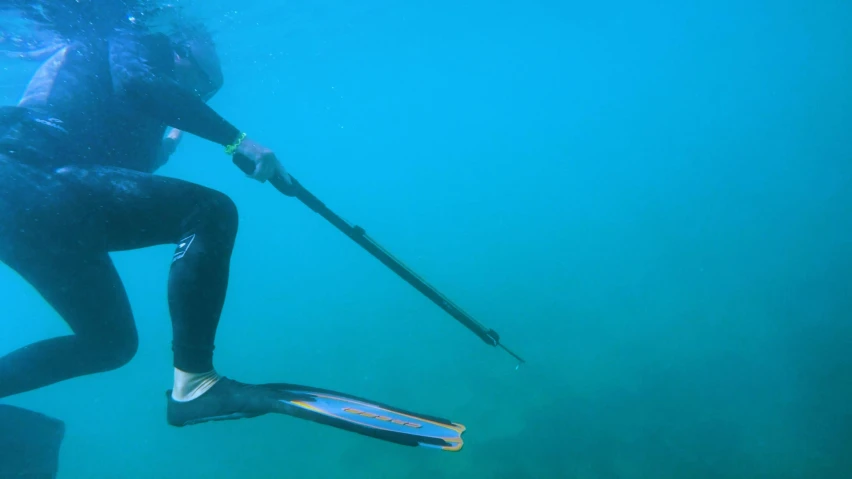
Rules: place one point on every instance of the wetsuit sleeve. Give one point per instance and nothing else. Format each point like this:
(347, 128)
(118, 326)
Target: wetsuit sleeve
(140, 76)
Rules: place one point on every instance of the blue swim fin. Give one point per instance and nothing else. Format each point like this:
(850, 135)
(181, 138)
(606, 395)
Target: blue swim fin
(230, 399)
(29, 443)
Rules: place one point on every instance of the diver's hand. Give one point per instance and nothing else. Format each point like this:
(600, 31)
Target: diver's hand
(266, 165)
(167, 147)
(171, 141)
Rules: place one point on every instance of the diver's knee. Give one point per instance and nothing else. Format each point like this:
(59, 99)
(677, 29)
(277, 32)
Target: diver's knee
(221, 215)
(125, 350)
(113, 353)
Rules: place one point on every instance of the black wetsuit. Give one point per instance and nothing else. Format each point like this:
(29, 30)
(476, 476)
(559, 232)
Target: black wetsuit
(76, 183)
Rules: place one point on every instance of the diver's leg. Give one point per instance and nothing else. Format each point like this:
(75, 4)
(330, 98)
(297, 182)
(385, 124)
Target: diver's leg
(127, 210)
(40, 229)
(86, 291)
(137, 210)
(140, 210)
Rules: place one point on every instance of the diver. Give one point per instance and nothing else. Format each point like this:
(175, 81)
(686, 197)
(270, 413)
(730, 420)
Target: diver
(76, 157)
(77, 162)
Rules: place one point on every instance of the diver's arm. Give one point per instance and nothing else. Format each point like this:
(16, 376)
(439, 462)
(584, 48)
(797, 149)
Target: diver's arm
(161, 97)
(181, 109)
(133, 65)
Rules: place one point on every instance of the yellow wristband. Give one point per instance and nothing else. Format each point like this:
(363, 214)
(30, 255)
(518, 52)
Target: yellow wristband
(232, 148)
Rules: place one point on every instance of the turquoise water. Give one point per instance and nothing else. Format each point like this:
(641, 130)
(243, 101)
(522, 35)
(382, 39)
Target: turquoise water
(650, 203)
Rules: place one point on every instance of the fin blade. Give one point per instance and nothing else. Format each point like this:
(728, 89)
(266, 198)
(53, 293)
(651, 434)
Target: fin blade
(372, 419)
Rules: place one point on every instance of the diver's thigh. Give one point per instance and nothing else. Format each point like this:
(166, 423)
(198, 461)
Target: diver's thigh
(34, 206)
(83, 287)
(126, 209)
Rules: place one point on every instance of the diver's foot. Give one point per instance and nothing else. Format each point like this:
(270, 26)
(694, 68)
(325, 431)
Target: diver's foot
(227, 399)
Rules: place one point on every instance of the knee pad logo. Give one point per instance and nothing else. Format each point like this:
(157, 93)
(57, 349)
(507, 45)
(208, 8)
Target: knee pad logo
(183, 247)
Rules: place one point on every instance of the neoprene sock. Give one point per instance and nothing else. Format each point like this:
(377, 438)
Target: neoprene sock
(189, 386)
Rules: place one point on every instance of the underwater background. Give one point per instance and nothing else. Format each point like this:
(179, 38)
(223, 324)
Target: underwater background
(651, 202)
